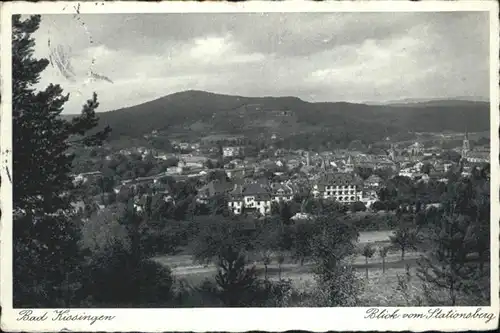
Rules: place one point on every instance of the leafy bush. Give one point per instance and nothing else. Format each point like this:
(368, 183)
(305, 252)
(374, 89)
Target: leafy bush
(357, 206)
(272, 293)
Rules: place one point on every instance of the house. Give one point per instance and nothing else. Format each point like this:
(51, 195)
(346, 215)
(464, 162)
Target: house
(255, 196)
(239, 172)
(415, 149)
(194, 161)
(349, 164)
(280, 163)
(78, 206)
(236, 162)
(282, 192)
(212, 189)
(301, 217)
(343, 187)
(232, 151)
(478, 157)
(447, 166)
(141, 203)
(409, 172)
(373, 181)
(292, 164)
(369, 200)
(83, 178)
(235, 200)
(118, 188)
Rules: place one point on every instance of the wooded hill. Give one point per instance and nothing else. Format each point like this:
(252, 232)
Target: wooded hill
(200, 113)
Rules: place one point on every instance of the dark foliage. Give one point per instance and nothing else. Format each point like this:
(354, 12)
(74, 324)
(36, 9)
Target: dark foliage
(45, 233)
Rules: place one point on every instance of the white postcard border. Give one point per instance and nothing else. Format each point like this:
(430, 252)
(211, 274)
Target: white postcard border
(246, 319)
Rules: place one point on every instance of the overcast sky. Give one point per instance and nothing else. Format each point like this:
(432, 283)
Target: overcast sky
(315, 56)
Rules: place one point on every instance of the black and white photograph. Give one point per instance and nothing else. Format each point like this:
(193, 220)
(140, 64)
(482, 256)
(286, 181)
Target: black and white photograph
(248, 158)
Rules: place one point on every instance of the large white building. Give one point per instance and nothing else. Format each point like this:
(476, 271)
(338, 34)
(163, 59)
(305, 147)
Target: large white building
(343, 187)
(232, 151)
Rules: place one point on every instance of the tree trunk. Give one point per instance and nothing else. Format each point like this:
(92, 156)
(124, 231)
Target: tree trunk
(67, 298)
(452, 295)
(265, 272)
(481, 262)
(383, 265)
(402, 253)
(279, 271)
(366, 267)
(302, 261)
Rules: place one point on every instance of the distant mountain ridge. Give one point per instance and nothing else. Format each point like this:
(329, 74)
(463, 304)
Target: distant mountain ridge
(199, 112)
(460, 100)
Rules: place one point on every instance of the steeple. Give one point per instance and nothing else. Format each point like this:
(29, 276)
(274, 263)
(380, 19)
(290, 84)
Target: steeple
(323, 164)
(465, 144)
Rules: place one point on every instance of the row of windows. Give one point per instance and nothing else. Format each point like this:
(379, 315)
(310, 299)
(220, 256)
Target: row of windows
(340, 192)
(258, 203)
(340, 187)
(347, 198)
(238, 211)
(282, 198)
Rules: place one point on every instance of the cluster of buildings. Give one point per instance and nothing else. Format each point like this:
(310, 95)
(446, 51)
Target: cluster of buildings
(331, 175)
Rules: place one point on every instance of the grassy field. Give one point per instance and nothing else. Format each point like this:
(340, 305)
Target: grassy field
(380, 289)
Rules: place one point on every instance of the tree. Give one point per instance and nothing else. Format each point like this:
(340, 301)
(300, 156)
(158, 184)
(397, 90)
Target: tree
(215, 234)
(209, 164)
(234, 280)
(217, 175)
(459, 243)
(445, 267)
(266, 260)
(404, 238)
(332, 245)
(426, 168)
(367, 252)
(103, 229)
(303, 233)
(281, 260)
(383, 254)
(378, 205)
(363, 172)
(114, 279)
(357, 206)
(45, 234)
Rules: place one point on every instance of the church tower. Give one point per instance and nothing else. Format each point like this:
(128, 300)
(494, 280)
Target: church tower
(323, 164)
(465, 145)
(392, 153)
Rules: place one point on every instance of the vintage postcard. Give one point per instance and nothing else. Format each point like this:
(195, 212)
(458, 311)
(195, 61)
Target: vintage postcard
(262, 166)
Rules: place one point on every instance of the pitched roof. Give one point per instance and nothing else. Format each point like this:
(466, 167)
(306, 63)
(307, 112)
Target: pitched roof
(215, 187)
(285, 188)
(338, 179)
(256, 189)
(373, 178)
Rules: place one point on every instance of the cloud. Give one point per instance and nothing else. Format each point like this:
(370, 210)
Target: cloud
(314, 56)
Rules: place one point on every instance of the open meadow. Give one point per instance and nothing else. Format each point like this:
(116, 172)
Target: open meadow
(378, 290)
